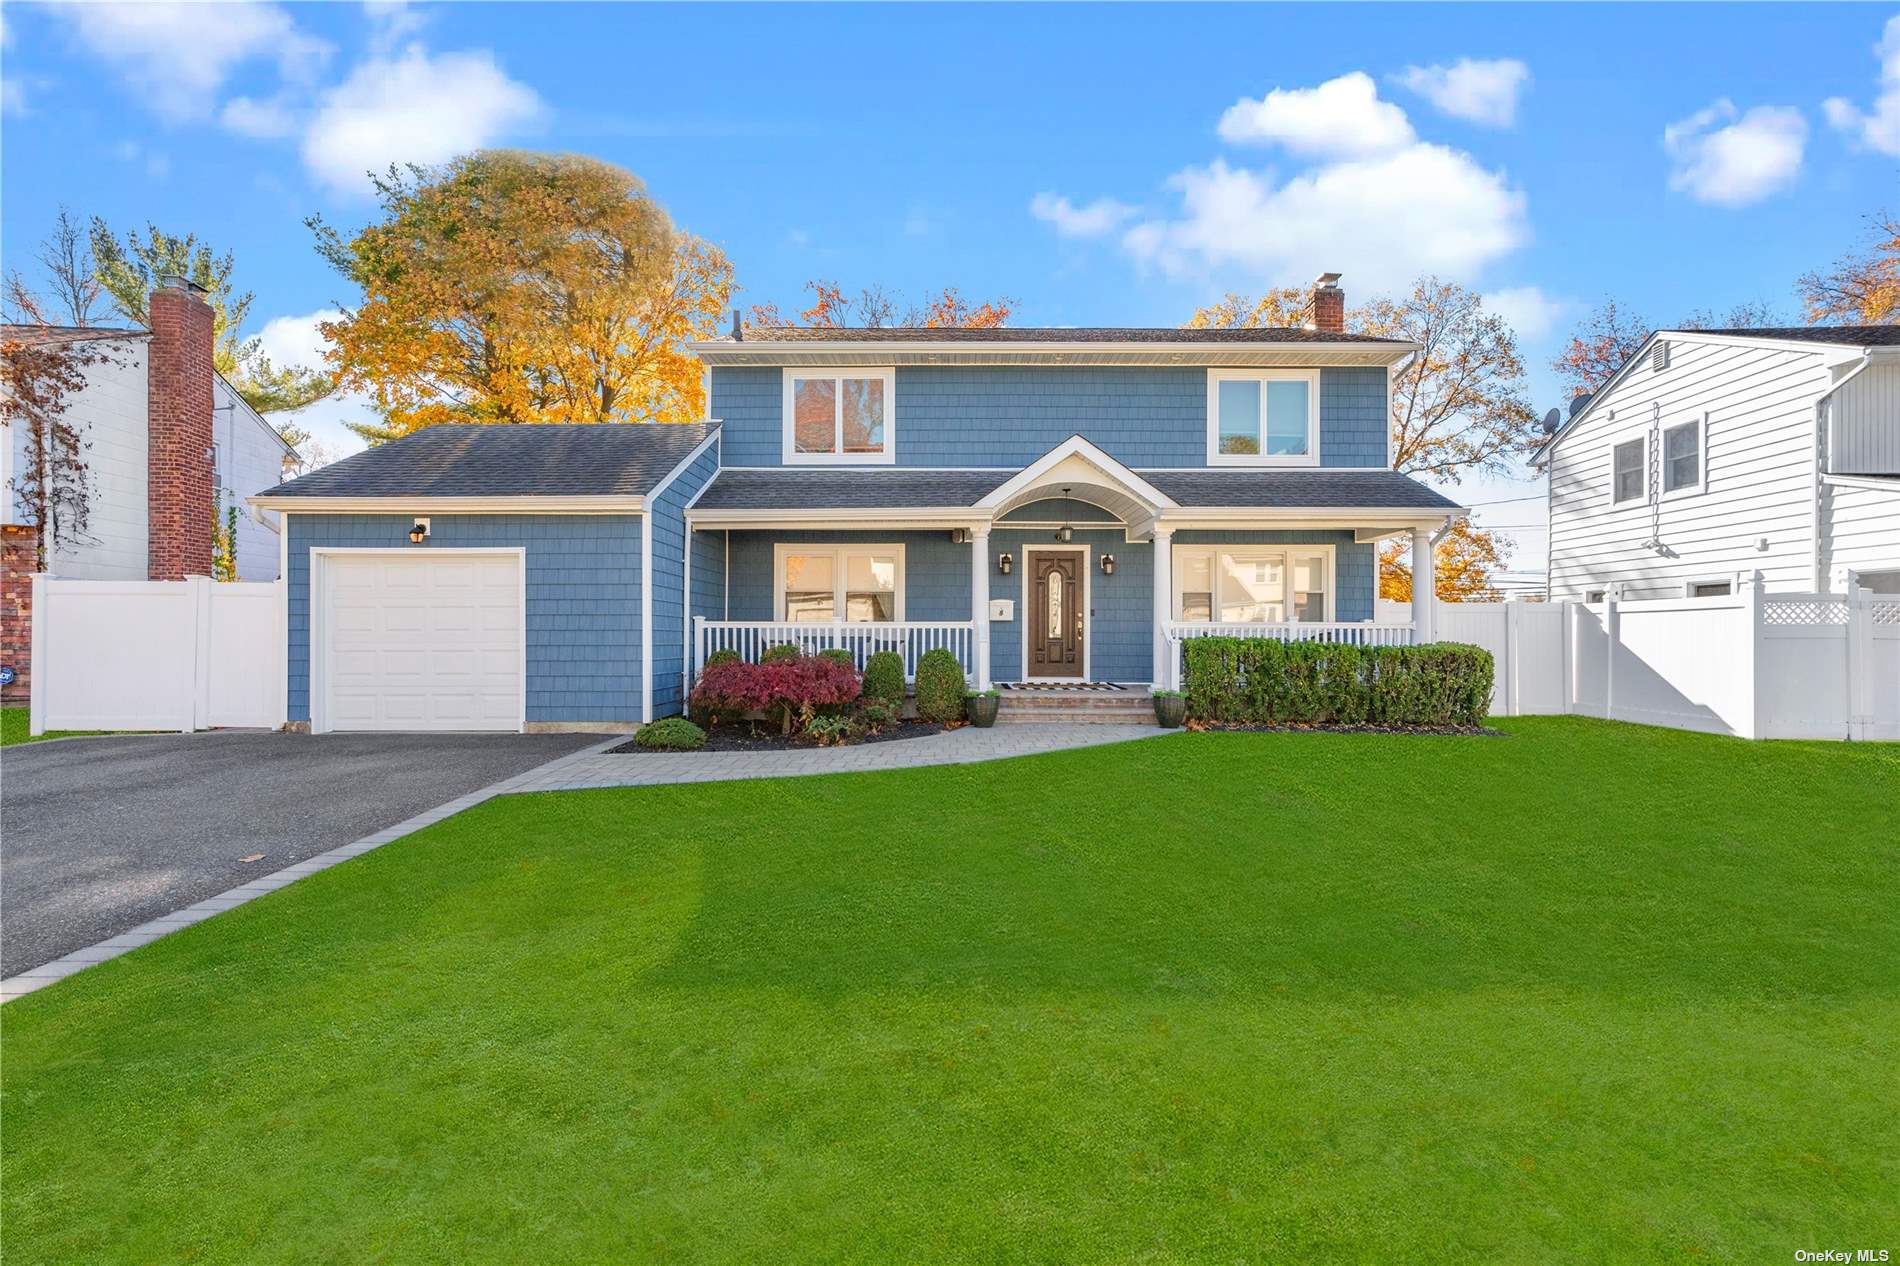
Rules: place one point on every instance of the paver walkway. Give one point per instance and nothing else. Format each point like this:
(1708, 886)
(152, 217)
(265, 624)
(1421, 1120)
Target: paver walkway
(956, 747)
(594, 767)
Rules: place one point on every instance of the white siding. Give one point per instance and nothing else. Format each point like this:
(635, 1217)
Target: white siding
(1760, 459)
(1862, 528)
(110, 414)
(1864, 423)
(250, 460)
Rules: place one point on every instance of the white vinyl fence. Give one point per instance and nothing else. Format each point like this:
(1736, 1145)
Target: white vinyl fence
(1753, 664)
(156, 654)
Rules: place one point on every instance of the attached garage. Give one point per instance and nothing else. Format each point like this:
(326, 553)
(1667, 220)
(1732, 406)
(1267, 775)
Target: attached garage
(419, 640)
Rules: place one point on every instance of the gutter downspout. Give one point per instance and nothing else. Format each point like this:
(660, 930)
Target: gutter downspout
(1817, 568)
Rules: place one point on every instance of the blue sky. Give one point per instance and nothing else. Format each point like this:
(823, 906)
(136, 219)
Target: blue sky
(1101, 165)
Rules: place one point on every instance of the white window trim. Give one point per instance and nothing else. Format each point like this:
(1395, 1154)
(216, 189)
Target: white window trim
(1701, 484)
(1086, 567)
(1329, 552)
(1642, 495)
(788, 443)
(839, 552)
(1215, 377)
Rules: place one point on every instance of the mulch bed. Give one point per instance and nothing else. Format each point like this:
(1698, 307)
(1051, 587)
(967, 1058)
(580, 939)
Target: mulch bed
(1257, 727)
(742, 738)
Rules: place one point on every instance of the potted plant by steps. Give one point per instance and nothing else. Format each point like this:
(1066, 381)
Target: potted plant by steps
(981, 706)
(1170, 708)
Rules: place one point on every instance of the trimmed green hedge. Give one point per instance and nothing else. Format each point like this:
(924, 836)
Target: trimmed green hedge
(939, 687)
(1249, 680)
(721, 657)
(780, 653)
(671, 734)
(884, 677)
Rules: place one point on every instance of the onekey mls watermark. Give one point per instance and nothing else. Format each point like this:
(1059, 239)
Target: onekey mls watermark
(1841, 1255)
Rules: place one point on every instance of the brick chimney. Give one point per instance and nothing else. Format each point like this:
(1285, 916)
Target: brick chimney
(179, 473)
(1329, 305)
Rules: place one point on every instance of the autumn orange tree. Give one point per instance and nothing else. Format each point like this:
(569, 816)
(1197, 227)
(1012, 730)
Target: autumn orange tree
(509, 287)
(1610, 334)
(874, 307)
(1459, 407)
(1464, 566)
(1861, 289)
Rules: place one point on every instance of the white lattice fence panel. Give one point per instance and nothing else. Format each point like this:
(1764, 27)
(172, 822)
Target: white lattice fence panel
(1800, 611)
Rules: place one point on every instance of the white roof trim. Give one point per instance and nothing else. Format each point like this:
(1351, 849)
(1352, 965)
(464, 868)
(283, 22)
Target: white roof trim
(450, 505)
(760, 352)
(1045, 478)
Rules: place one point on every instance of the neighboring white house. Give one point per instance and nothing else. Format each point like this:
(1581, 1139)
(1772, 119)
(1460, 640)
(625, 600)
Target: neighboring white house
(112, 414)
(1713, 454)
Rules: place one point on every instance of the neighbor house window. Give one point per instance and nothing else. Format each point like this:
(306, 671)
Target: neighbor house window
(1262, 418)
(840, 415)
(1626, 462)
(1255, 584)
(1708, 588)
(821, 583)
(1682, 457)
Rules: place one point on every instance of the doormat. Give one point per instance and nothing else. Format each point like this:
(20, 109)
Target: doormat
(1038, 686)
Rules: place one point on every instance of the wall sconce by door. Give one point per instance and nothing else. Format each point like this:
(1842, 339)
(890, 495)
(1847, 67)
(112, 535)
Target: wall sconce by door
(1004, 563)
(1108, 564)
(420, 532)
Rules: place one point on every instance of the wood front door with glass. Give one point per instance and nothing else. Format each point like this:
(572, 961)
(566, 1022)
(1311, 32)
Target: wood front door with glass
(1056, 614)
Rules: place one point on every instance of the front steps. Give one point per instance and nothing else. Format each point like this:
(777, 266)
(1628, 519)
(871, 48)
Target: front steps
(1130, 706)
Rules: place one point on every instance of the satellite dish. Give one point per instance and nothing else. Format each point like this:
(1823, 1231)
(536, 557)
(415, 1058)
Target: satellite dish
(1552, 421)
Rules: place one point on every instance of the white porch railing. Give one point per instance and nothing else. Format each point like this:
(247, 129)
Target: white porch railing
(909, 638)
(1363, 633)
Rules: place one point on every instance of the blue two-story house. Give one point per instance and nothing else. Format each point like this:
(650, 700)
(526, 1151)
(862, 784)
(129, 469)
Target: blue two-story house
(1053, 505)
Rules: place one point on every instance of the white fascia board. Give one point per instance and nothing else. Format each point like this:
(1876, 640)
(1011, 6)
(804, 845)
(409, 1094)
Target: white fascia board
(1341, 517)
(855, 518)
(666, 481)
(1870, 483)
(1076, 446)
(763, 353)
(451, 505)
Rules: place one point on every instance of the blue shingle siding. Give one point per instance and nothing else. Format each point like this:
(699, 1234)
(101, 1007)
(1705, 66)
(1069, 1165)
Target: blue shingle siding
(709, 575)
(1353, 418)
(668, 525)
(583, 613)
(1007, 416)
(1121, 607)
(936, 572)
(1355, 566)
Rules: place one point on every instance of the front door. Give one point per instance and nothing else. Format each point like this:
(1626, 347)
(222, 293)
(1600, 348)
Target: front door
(1056, 614)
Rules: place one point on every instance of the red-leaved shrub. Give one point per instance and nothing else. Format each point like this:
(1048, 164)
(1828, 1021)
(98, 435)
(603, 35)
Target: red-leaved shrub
(791, 689)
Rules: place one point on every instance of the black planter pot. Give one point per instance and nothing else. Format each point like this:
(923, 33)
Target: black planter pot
(982, 710)
(1170, 711)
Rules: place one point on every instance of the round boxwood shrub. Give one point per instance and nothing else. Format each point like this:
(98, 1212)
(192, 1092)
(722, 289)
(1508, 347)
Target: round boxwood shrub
(842, 655)
(783, 651)
(940, 687)
(720, 657)
(671, 734)
(884, 677)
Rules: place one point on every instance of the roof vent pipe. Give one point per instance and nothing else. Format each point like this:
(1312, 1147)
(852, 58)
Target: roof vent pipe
(738, 332)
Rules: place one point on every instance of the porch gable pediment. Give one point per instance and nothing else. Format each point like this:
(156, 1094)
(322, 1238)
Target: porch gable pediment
(1087, 474)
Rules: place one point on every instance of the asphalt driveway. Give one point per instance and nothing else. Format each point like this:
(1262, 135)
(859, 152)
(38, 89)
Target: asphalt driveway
(99, 835)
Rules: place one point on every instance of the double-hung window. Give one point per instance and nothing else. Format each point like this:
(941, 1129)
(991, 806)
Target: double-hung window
(836, 416)
(1682, 458)
(1253, 584)
(818, 584)
(1626, 471)
(1262, 417)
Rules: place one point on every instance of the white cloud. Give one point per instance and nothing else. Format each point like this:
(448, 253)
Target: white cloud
(1483, 91)
(390, 23)
(1386, 219)
(269, 119)
(295, 341)
(1730, 159)
(415, 108)
(1100, 217)
(1878, 129)
(1342, 116)
(1527, 310)
(178, 55)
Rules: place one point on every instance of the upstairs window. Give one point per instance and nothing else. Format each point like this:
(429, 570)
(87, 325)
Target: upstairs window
(1682, 458)
(835, 416)
(1626, 479)
(1261, 417)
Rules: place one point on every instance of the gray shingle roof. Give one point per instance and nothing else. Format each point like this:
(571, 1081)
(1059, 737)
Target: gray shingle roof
(1848, 335)
(1043, 334)
(917, 489)
(610, 460)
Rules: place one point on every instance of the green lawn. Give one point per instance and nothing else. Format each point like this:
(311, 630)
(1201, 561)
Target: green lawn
(1587, 993)
(15, 722)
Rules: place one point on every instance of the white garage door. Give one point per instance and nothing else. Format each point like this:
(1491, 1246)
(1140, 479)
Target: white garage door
(429, 640)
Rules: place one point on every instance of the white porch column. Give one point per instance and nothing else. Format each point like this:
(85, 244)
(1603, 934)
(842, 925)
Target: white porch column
(1164, 667)
(980, 600)
(1424, 587)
